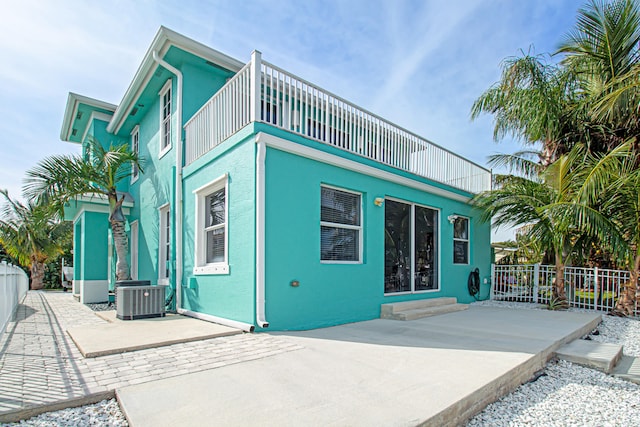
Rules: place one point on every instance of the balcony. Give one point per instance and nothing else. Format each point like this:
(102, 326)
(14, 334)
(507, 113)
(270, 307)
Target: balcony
(283, 100)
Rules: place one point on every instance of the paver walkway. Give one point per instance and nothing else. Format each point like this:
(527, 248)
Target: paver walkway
(40, 364)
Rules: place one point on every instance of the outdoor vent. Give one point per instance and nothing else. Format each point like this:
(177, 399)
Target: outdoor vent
(74, 132)
(79, 115)
(140, 302)
(134, 111)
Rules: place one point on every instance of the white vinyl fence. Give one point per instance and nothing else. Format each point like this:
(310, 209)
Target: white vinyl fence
(14, 284)
(589, 288)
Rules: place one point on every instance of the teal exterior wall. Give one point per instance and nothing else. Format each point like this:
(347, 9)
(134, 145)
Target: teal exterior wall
(155, 187)
(225, 295)
(78, 264)
(90, 246)
(330, 294)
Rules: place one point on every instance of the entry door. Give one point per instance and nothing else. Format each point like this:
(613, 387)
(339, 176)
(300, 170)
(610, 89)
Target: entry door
(410, 248)
(134, 250)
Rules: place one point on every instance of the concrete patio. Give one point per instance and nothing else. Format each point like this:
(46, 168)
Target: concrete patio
(433, 371)
(120, 336)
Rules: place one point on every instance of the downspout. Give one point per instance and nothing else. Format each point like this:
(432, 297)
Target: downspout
(260, 233)
(178, 180)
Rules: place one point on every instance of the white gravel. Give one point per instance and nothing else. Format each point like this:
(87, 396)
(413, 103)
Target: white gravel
(572, 395)
(565, 395)
(105, 413)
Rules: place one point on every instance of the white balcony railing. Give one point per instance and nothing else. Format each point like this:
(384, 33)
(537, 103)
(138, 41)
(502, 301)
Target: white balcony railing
(293, 104)
(223, 115)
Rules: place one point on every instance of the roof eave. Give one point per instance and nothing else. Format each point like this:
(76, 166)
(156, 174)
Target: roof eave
(71, 110)
(164, 39)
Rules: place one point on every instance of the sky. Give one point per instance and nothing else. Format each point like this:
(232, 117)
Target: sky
(419, 64)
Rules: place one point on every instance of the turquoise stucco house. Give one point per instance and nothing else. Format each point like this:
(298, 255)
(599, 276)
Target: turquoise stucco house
(267, 201)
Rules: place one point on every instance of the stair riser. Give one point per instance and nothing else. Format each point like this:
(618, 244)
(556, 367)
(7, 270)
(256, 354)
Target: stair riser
(432, 311)
(414, 305)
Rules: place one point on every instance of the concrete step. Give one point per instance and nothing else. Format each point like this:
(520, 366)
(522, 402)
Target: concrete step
(412, 310)
(419, 313)
(593, 354)
(391, 308)
(628, 369)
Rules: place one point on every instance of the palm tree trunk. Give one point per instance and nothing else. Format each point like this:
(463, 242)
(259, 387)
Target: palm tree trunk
(37, 275)
(628, 294)
(559, 293)
(121, 243)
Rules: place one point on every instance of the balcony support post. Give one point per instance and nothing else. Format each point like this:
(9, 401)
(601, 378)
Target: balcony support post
(255, 75)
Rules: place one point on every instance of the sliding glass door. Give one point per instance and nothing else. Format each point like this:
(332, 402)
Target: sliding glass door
(411, 247)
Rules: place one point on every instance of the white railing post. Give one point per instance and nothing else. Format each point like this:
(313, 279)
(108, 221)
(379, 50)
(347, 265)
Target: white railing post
(493, 281)
(7, 303)
(536, 282)
(596, 287)
(255, 85)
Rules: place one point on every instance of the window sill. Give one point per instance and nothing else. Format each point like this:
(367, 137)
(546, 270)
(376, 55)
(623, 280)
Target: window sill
(341, 262)
(211, 269)
(164, 151)
(163, 282)
(422, 291)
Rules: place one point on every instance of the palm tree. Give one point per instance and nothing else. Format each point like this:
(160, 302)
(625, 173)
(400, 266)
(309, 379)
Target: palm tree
(624, 206)
(603, 54)
(590, 96)
(612, 182)
(531, 102)
(547, 203)
(604, 43)
(30, 234)
(64, 177)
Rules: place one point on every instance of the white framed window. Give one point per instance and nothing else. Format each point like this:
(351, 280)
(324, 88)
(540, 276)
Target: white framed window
(461, 240)
(165, 117)
(164, 245)
(340, 226)
(211, 234)
(135, 148)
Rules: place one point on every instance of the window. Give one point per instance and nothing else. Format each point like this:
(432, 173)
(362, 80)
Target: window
(211, 228)
(135, 148)
(165, 118)
(410, 248)
(340, 225)
(164, 245)
(461, 240)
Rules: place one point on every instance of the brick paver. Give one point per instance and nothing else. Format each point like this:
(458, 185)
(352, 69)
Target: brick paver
(39, 363)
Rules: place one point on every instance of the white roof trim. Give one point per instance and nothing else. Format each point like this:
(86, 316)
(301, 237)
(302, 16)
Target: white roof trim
(102, 199)
(95, 115)
(73, 101)
(164, 39)
(341, 162)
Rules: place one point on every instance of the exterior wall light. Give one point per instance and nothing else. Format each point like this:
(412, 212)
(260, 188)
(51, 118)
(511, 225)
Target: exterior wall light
(452, 218)
(378, 201)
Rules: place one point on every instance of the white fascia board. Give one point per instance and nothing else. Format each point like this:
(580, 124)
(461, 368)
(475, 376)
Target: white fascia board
(71, 110)
(164, 39)
(95, 116)
(101, 199)
(99, 208)
(341, 162)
